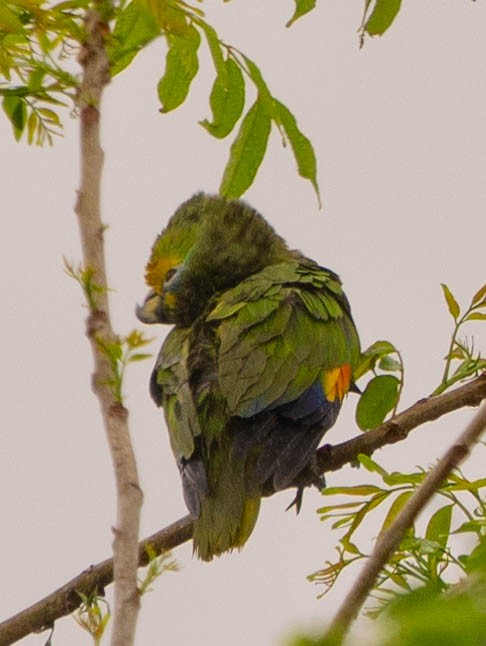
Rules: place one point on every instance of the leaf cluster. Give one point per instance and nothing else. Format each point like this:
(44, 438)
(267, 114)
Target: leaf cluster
(35, 38)
(419, 616)
(38, 40)
(461, 353)
(422, 558)
(184, 28)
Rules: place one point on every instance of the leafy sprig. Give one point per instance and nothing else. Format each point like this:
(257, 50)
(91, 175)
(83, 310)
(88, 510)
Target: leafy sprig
(121, 353)
(93, 615)
(382, 392)
(422, 559)
(157, 566)
(461, 353)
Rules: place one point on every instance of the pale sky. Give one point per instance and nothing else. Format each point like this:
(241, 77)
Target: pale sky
(400, 133)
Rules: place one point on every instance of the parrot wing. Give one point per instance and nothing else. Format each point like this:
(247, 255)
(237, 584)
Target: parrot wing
(281, 330)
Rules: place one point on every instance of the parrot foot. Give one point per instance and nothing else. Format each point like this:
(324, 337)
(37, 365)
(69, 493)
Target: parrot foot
(316, 479)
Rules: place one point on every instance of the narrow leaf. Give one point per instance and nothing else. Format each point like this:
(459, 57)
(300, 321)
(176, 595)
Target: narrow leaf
(336, 508)
(140, 356)
(476, 316)
(301, 8)
(379, 397)
(467, 485)
(452, 304)
(215, 48)
(301, 146)
(31, 127)
(246, 152)
(227, 100)
(359, 490)
(397, 478)
(181, 67)
(479, 295)
(382, 16)
(370, 465)
(264, 94)
(395, 508)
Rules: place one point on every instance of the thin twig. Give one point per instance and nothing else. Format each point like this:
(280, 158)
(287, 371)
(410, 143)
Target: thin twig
(94, 61)
(390, 539)
(65, 600)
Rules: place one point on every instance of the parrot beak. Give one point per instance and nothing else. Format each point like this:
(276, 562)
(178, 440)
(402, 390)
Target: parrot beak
(148, 312)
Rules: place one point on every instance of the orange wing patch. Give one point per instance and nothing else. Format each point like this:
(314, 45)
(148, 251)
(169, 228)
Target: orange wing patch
(336, 382)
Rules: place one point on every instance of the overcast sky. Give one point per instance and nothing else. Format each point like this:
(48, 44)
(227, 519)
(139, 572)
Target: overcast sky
(400, 133)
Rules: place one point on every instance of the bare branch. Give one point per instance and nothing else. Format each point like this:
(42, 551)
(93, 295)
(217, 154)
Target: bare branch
(94, 61)
(390, 539)
(65, 600)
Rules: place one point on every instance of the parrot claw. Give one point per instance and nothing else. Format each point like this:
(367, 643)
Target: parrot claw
(297, 501)
(319, 481)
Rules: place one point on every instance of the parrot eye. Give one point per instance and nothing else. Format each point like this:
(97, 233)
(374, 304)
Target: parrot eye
(170, 273)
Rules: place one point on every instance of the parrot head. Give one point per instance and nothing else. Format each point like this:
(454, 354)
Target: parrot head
(209, 245)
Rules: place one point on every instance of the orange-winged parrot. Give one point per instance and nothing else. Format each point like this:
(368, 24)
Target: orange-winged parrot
(256, 367)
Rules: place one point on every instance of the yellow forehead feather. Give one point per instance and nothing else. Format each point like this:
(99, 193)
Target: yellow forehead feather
(156, 271)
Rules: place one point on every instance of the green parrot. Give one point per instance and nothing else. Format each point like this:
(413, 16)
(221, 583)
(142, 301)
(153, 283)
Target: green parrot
(256, 367)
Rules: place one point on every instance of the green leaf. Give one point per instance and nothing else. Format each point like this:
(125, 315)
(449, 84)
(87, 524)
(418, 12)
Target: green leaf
(31, 127)
(396, 478)
(379, 397)
(439, 526)
(476, 316)
(301, 8)
(227, 100)
(247, 151)
(467, 485)
(370, 465)
(479, 296)
(264, 95)
(469, 526)
(301, 146)
(140, 356)
(452, 304)
(215, 48)
(16, 110)
(477, 559)
(359, 490)
(395, 508)
(330, 510)
(50, 115)
(9, 21)
(388, 364)
(371, 355)
(382, 16)
(181, 67)
(134, 28)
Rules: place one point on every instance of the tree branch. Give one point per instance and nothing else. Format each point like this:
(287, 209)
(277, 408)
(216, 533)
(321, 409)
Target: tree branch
(65, 600)
(96, 75)
(388, 542)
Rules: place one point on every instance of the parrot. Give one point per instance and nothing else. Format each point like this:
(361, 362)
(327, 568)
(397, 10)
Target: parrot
(255, 368)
